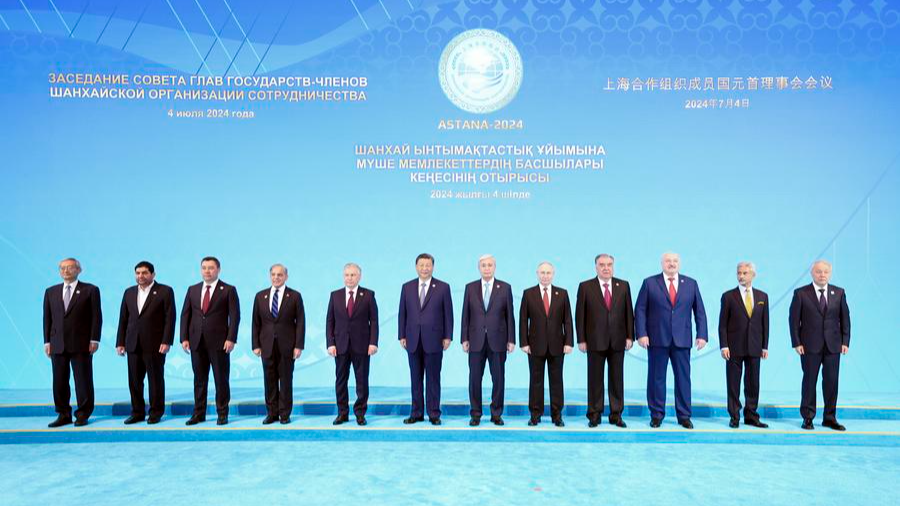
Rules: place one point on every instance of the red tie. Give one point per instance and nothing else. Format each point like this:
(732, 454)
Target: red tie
(672, 291)
(607, 297)
(546, 302)
(205, 306)
(350, 304)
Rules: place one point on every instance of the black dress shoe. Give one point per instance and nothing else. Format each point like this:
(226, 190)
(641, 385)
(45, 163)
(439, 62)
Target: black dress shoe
(474, 421)
(618, 423)
(655, 422)
(534, 420)
(833, 424)
(807, 424)
(496, 420)
(131, 420)
(559, 422)
(153, 420)
(284, 420)
(686, 423)
(59, 422)
(413, 419)
(593, 422)
(756, 423)
(435, 421)
(361, 420)
(341, 419)
(194, 420)
(734, 423)
(81, 422)
(222, 420)
(269, 419)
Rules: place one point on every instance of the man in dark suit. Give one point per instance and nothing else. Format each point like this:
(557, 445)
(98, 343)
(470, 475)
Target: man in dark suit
(425, 328)
(72, 322)
(278, 335)
(743, 339)
(820, 333)
(209, 330)
(662, 319)
(604, 321)
(545, 335)
(146, 332)
(488, 334)
(351, 334)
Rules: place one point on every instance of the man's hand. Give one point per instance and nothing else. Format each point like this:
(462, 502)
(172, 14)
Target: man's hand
(701, 343)
(257, 351)
(526, 349)
(465, 346)
(844, 349)
(628, 344)
(229, 345)
(332, 350)
(373, 349)
(186, 346)
(726, 353)
(163, 349)
(582, 347)
(567, 349)
(644, 342)
(120, 350)
(403, 342)
(47, 349)
(446, 344)
(765, 354)
(297, 353)
(510, 347)
(94, 347)
(800, 350)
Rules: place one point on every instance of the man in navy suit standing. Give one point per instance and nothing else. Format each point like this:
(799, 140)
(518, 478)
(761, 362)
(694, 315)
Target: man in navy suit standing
(662, 320)
(351, 334)
(209, 328)
(72, 322)
(488, 334)
(278, 334)
(146, 332)
(820, 334)
(425, 329)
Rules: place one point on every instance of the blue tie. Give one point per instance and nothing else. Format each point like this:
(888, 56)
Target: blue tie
(487, 295)
(275, 304)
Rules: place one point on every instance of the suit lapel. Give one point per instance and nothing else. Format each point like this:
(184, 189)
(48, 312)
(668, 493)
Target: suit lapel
(428, 294)
(811, 290)
(75, 292)
(736, 296)
(661, 281)
(481, 295)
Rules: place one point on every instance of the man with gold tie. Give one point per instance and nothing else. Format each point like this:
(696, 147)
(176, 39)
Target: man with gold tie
(744, 339)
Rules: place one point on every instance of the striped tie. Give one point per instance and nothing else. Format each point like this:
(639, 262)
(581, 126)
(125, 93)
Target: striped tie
(275, 304)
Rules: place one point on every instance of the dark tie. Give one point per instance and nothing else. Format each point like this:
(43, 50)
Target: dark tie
(350, 304)
(275, 304)
(823, 304)
(204, 307)
(546, 302)
(607, 297)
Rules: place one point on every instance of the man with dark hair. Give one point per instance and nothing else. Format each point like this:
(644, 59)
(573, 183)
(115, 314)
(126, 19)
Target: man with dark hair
(425, 328)
(209, 330)
(278, 335)
(72, 323)
(146, 332)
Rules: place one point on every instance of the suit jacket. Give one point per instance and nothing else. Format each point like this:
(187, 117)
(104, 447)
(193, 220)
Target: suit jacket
(153, 326)
(354, 333)
(219, 324)
(604, 329)
(496, 323)
(813, 329)
(744, 336)
(546, 335)
(288, 330)
(655, 317)
(72, 330)
(431, 323)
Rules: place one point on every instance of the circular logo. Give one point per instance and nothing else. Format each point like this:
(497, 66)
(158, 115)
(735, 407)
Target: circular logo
(480, 71)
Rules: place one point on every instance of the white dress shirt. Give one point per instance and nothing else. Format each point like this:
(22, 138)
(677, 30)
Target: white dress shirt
(142, 294)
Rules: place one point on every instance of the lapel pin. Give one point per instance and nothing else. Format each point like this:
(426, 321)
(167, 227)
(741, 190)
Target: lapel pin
(362, 293)
(154, 293)
(832, 292)
(286, 295)
(79, 291)
(555, 293)
(265, 296)
(617, 284)
(221, 288)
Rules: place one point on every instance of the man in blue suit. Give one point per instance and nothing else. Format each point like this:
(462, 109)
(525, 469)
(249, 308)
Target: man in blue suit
(662, 319)
(425, 329)
(488, 334)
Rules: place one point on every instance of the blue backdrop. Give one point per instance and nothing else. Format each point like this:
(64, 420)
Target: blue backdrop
(786, 177)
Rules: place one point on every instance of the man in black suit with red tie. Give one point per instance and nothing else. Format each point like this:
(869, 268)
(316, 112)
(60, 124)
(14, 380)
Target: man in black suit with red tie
(488, 334)
(72, 322)
(146, 332)
(604, 321)
(545, 334)
(278, 335)
(209, 330)
(820, 334)
(744, 339)
(351, 335)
